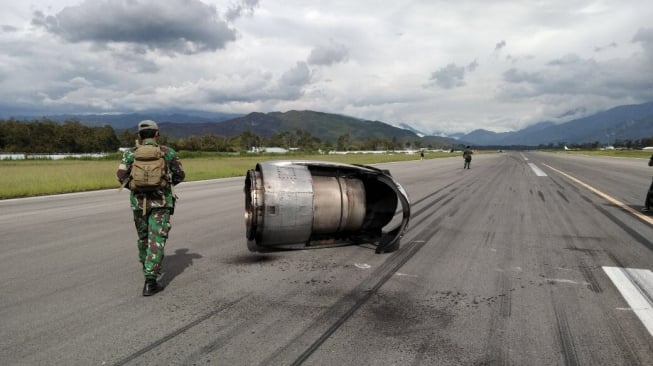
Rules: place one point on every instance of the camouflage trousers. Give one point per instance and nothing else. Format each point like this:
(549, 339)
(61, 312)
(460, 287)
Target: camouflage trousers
(152, 229)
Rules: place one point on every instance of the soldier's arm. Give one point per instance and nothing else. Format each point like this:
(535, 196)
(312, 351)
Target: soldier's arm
(178, 174)
(124, 168)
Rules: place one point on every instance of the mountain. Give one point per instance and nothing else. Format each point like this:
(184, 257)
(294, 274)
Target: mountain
(408, 127)
(629, 122)
(325, 126)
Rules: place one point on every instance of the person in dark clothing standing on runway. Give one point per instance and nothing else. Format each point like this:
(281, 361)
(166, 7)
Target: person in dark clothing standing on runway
(467, 155)
(649, 195)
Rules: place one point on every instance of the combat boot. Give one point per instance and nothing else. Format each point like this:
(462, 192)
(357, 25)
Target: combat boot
(151, 287)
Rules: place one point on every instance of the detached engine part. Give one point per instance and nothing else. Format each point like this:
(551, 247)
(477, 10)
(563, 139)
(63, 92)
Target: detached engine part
(298, 204)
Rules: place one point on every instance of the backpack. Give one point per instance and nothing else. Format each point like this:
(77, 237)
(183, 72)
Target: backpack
(149, 171)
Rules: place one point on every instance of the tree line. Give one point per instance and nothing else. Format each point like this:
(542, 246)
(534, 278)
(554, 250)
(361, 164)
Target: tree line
(47, 136)
(635, 144)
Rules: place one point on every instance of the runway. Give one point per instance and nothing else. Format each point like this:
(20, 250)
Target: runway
(527, 258)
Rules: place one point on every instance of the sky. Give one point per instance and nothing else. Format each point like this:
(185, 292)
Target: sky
(441, 66)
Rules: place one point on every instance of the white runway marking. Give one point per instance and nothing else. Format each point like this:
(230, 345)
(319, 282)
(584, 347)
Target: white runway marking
(539, 172)
(562, 280)
(636, 286)
(406, 275)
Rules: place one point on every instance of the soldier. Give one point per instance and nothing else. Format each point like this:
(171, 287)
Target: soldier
(467, 155)
(151, 206)
(649, 194)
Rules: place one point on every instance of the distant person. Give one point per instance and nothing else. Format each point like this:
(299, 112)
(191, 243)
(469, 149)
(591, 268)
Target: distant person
(467, 155)
(421, 155)
(649, 194)
(151, 171)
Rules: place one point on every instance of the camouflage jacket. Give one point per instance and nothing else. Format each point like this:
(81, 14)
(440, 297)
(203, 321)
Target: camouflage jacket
(162, 198)
(467, 154)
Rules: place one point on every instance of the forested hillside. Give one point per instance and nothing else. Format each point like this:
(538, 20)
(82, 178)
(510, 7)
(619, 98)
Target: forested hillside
(47, 136)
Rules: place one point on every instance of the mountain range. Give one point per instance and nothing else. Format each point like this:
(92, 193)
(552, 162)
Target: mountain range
(628, 122)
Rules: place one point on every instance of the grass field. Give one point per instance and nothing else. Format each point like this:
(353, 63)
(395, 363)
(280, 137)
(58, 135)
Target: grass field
(613, 153)
(25, 178)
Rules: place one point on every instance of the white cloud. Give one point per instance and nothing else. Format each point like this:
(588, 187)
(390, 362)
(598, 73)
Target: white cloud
(183, 26)
(439, 65)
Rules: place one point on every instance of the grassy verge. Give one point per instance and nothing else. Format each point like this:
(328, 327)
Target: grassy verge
(25, 178)
(612, 153)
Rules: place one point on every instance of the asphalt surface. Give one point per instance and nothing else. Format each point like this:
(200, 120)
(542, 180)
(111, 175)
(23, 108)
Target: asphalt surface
(524, 259)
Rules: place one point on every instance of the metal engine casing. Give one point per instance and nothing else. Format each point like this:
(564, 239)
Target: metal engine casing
(299, 204)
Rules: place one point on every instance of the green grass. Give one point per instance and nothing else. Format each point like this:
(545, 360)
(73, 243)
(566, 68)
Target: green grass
(25, 178)
(612, 153)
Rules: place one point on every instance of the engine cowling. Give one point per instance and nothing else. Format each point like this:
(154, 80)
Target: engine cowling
(299, 204)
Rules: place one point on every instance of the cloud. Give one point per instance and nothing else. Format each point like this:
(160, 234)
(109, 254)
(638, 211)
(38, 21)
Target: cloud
(516, 76)
(577, 83)
(644, 36)
(450, 76)
(293, 81)
(328, 54)
(603, 48)
(8, 28)
(245, 7)
(251, 55)
(472, 66)
(178, 26)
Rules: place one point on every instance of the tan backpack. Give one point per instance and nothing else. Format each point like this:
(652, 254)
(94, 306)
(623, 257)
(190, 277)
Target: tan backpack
(149, 171)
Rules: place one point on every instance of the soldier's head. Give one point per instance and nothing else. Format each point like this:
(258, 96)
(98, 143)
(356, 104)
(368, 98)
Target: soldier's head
(148, 129)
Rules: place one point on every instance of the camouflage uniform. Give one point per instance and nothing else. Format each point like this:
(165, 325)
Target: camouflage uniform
(467, 155)
(649, 195)
(152, 210)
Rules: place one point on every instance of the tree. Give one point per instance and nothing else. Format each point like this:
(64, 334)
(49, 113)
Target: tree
(248, 140)
(344, 141)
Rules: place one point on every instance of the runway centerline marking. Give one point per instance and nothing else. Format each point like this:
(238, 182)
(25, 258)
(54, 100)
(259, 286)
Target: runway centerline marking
(636, 287)
(607, 197)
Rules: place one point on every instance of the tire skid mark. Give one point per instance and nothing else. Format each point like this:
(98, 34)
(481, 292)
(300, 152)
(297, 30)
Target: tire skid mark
(565, 337)
(497, 352)
(218, 343)
(179, 331)
(315, 334)
(625, 227)
(562, 195)
(615, 327)
(588, 275)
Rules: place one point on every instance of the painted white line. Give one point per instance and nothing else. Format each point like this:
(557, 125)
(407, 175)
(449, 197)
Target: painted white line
(636, 286)
(406, 275)
(539, 172)
(610, 199)
(562, 280)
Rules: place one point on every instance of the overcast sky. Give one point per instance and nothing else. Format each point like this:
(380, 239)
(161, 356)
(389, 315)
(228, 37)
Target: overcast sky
(439, 65)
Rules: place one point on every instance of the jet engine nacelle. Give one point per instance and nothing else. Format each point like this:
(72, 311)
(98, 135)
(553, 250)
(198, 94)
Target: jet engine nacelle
(298, 204)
